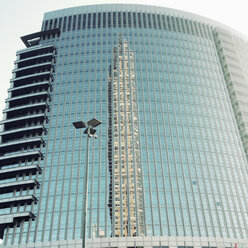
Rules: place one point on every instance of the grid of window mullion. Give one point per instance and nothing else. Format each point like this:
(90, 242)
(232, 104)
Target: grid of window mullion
(89, 20)
(149, 20)
(71, 220)
(163, 162)
(181, 143)
(84, 21)
(129, 19)
(214, 193)
(234, 171)
(64, 23)
(107, 184)
(75, 143)
(220, 170)
(51, 24)
(178, 24)
(46, 25)
(50, 176)
(169, 209)
(187, 42)
(63, 224)
(196, 72)
(140, 106)
(102, 143)
(159, 21)
(99, 18)
(55, 23)
(119, 19)
(144, 20)
(74, 22)
(154, 21)
(94, 20)
(207, 208)
(180, 230)
(135, 165)
(145, 127)
(156, 122)
(124, 16)
(139, 20)
(135, 20)
(60, 22)
(151, 164)
(195, 28)
(79, 22)
(126, 131)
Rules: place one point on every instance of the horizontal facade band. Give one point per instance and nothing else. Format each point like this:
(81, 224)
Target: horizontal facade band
(9, 187)
(30, 86)
(35, 75)
(20, 200)
(25, 118)
(8, 219)
(33, 66)
(34, 59)
(29, 107)
(18, 144)
(15, 158)
(30, 95)
(24, 130)
(39, 49)
(12, 172)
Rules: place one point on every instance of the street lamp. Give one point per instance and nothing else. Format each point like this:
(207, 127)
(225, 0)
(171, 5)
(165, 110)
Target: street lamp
(90, 132)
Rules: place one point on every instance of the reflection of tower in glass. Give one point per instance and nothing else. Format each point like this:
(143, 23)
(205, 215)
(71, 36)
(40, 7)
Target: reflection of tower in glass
(126, 196)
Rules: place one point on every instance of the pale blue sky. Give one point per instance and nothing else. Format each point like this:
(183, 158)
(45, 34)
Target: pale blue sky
(21, 17)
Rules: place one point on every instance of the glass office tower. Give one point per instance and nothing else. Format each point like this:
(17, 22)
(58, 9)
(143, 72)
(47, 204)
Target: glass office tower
(169, 167)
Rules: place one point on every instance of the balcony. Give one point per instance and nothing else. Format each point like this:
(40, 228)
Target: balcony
(26, 199)
(29, 79)
(15, 111)
(16, 145)
(8, 219)
(21, 131)
(15, 158)
(21, 90)
(12, 172)
(28, 97)
(22, 120)
(24, 184)
(32, 69)
(31, 52)
(34, 60)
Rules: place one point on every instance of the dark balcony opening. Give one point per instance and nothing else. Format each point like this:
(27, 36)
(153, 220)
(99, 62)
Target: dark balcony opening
(9, 161)
(33, 120)
(37, 52)
(32, 79)
(21, 135)
(34, 70)
(23, 132)
(31, 110)
(28, 100)
(1, 232)
(38, 60)
(28, 90)
(29, 145)
(9, 173)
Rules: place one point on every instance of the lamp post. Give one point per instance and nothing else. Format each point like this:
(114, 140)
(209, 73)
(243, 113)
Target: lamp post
(90, 132)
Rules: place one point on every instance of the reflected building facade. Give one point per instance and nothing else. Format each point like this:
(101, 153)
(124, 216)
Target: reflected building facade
(169, 167)
(126, 195)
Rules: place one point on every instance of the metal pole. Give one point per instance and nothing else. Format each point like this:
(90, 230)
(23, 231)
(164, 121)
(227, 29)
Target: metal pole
(86, 185)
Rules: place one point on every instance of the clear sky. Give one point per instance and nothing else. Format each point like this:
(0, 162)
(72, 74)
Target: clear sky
(21, 17)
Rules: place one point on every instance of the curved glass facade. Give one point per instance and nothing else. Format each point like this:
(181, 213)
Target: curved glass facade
(170, 159)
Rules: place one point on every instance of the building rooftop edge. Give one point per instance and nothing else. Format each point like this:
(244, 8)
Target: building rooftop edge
(139, 7)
